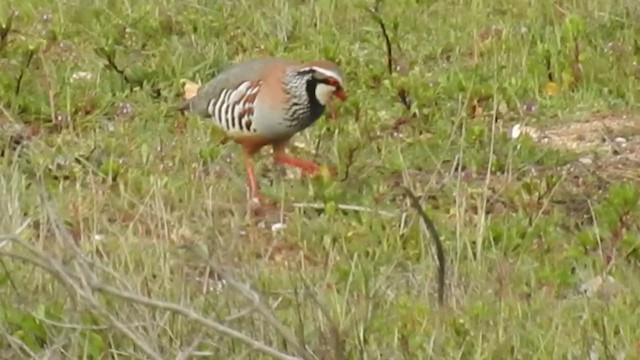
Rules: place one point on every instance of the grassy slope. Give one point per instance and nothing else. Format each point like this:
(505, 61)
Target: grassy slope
(521, 226)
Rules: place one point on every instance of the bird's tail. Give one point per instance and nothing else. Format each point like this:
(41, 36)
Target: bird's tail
(190, 90)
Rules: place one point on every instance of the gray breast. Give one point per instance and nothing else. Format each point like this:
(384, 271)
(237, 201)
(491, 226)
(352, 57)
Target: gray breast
(304, 108)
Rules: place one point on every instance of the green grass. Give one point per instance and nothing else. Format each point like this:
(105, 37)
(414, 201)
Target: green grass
(112, 200)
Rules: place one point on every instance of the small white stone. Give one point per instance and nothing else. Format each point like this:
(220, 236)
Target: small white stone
(592, 286)
(81, 75)
(278, 226)
(516, 131)
(586, 160)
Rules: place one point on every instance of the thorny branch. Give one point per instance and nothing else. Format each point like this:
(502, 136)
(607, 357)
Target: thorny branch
(577, 66)
(350, 160)
(78, 275)
(402, 93)
(415, 203)
(5, 30)
(109, 55)
(352, 151)
(344, 207)
(30, 55)
(260, 307)
(547, 64)
(336, 332)
(376, 16)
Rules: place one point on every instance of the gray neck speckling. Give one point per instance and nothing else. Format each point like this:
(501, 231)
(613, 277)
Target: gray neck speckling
(304, 108)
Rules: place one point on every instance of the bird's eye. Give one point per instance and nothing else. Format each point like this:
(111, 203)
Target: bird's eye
(332, 81)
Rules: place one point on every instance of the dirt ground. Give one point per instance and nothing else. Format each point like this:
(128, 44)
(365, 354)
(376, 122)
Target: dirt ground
(609, 143)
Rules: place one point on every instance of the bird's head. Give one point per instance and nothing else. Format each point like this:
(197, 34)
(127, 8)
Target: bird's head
(324, 80)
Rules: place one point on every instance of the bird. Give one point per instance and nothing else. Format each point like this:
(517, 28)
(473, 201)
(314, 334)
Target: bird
(265, 102)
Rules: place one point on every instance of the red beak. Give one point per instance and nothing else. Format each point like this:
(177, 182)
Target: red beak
(340, 94)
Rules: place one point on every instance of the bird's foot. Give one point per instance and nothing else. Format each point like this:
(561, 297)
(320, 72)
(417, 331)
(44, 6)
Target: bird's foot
(322, 170)
(308, 168)
(258, 204)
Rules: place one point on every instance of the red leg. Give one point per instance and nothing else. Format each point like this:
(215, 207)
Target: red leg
(307, 167)
(280, 156)
(253, 187)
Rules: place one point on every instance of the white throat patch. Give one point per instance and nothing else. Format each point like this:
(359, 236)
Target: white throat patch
(324, 93)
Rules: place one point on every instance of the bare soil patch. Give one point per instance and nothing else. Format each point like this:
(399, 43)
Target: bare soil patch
(609, 143)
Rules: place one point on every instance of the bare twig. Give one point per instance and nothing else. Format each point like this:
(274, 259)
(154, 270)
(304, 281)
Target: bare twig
(352, 151)
(404, 98)
(577, 65)
(376, 16)
(402, 93)
(75, 281)
(547, 64)
(188, 352)
(267, 314)
(344, 207)
(30, 55)
(68, 325)
(109, 55)
(5, 30)
(350, 160)
(336, 333)
(258, 305)
(80, 276)
(191, 314)
(415, 203)
(90, 281)
(17, 344)
(605, 339)
(240, 314)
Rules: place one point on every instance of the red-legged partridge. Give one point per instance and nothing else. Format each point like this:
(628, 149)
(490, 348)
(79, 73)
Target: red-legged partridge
(265, 102)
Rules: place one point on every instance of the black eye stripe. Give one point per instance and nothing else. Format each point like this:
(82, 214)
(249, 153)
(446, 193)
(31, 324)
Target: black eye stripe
(330, 82)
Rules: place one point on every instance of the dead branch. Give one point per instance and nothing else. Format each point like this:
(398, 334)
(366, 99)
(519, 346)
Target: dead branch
(18, 345)
(404, 98)
(350, 161)
(30, 55)
(577, 65)
(5, 30)
(85, 284)
(339, 351)
(387, 41)
(191, 314)
(344, 207)
(259, 306)
(547, 64)
(402, 93)
(415, 203)
(109, 55)
(78, 274)
(77, 284)
(352, 151)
